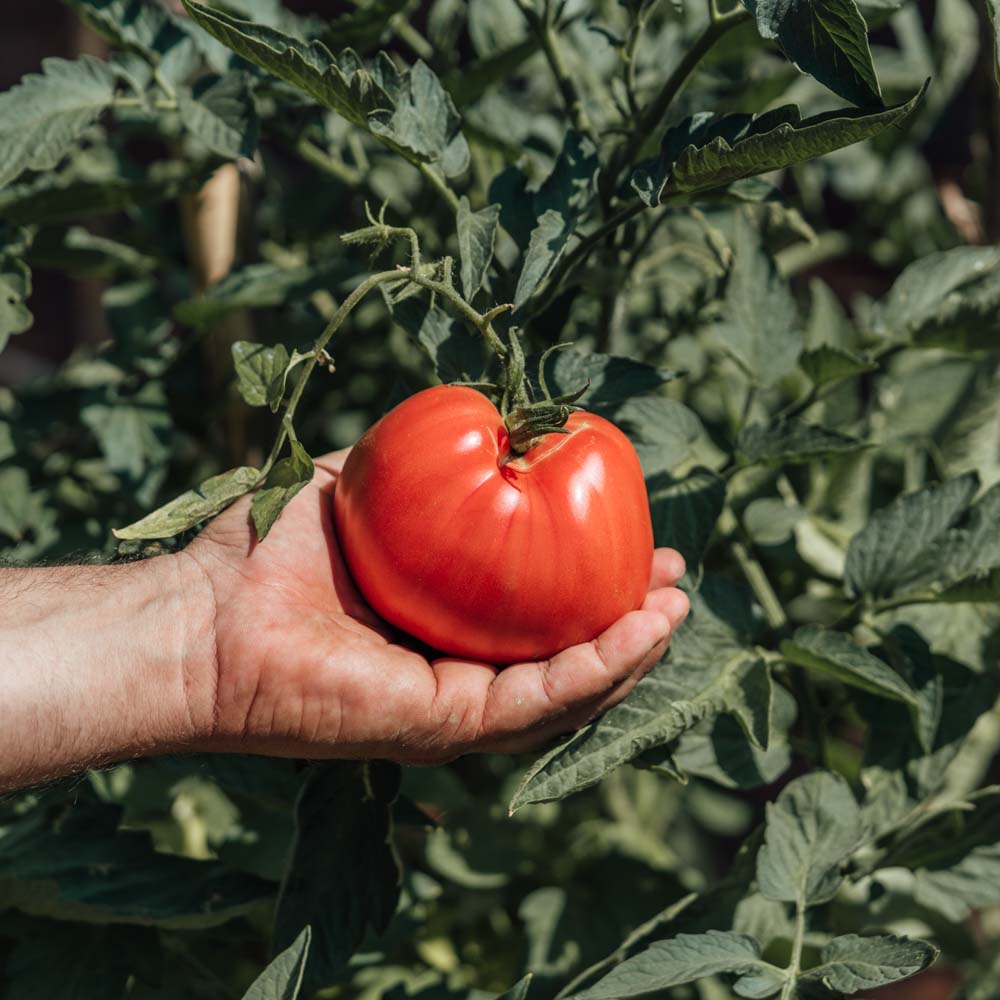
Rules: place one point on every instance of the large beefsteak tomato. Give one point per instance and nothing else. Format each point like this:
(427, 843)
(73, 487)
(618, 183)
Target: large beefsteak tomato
(485, 554)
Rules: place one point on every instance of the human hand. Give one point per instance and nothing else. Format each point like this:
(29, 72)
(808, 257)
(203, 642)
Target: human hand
(301, 666)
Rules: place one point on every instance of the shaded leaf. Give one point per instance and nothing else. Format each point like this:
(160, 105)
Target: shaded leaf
(791, 442)
(685, 513)
(826, 40)
(684, 959)
(282, 979)
(851, 962)
(192, 507)
(141, 26)
(342, 878)
(476, 234)
(703, 152)
(812, 827)
(897, 548)
(548, 240)
(42, 117)
(283, 483)
(837, 655)
(15, 288)
(260, 372)
(760, 323)
(223, 115)
(831, 364)
(612, 379)
(133, 431)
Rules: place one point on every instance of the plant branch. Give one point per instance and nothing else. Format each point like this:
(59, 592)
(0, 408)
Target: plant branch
(649, 119)
(795, 964)
(545, 30)
(328, 164)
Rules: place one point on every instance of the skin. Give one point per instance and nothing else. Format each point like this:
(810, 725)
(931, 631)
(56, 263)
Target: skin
(233, 646)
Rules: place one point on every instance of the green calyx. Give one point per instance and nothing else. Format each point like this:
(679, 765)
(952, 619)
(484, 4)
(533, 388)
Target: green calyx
(528, 420)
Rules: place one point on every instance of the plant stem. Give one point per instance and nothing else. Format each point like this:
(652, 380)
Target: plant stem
(438, 183)
(655, 111)
(329, 330)
(761, 586)
(405, 32)
(322, 160)
(795, 964)
(545, 30)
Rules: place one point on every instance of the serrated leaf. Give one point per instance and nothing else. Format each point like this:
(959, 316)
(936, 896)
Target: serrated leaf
(458, 355)
(791, 442)
(684, 959)
(812, 827)
(260, 372)
(828, 40)
(109, 875)
(141, 26)
(133, 431)
(476, 235)
(826, 364)
(548, 240)
(363, 27)
(423, 120)
(283, 483)
(222, 116)
(612, 379)
(837, 655)
(518, 991)
(896, 549)
(950, 298)
(42, 118)
(282, 979)
(760, 323)
(685, 513)
(193, 507)
(851, 962)
(339, 83)
(704, 153)
(702, 677)
(342, 877)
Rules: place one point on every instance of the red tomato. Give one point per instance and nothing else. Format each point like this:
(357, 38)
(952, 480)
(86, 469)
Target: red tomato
(484, 554)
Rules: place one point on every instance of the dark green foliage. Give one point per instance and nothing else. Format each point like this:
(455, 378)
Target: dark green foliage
(796, 801)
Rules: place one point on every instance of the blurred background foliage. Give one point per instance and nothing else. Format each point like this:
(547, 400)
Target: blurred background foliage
(149, 255)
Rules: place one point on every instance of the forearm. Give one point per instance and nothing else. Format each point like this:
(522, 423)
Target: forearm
(95, 665)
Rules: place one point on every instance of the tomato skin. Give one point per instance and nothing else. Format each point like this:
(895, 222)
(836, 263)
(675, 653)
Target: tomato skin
(485, 555)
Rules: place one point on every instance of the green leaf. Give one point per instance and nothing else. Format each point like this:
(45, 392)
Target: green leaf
(684, 959)
(15, 289)
(791, 442)
(363, 27)
(950, 299)
(548, 240)
(256, 286)
(24, 517)
(760, 325)
(476, 235)
(282, 979)
(812, 827)
(685, 512)
(423, 122)
(283, 483)
(141, 26)
(95, 962)
(518, 991)
(223, 115)
(133, 431)
(42, 118)
(851, 962)
(7, 449)
(109, 875)
(706, 673)
(898, 547)
(192, 507)
(610, 380)
(260, 372)
(837, 655)
(339, 83)
(704, 153)
(826, 40)
(827, 364)
(458, 355)
(342, 878)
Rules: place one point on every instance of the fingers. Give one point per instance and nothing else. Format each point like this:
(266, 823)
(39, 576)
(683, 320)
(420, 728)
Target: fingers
(527, 695)
(668, 568)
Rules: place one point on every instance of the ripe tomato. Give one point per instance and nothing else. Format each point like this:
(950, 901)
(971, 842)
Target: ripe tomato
(488, 555)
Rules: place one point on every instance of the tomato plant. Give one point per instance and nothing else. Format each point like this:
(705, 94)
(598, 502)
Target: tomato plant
(484, 553)
(233, 235)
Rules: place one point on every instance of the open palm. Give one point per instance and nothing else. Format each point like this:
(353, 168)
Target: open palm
(305, 668)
